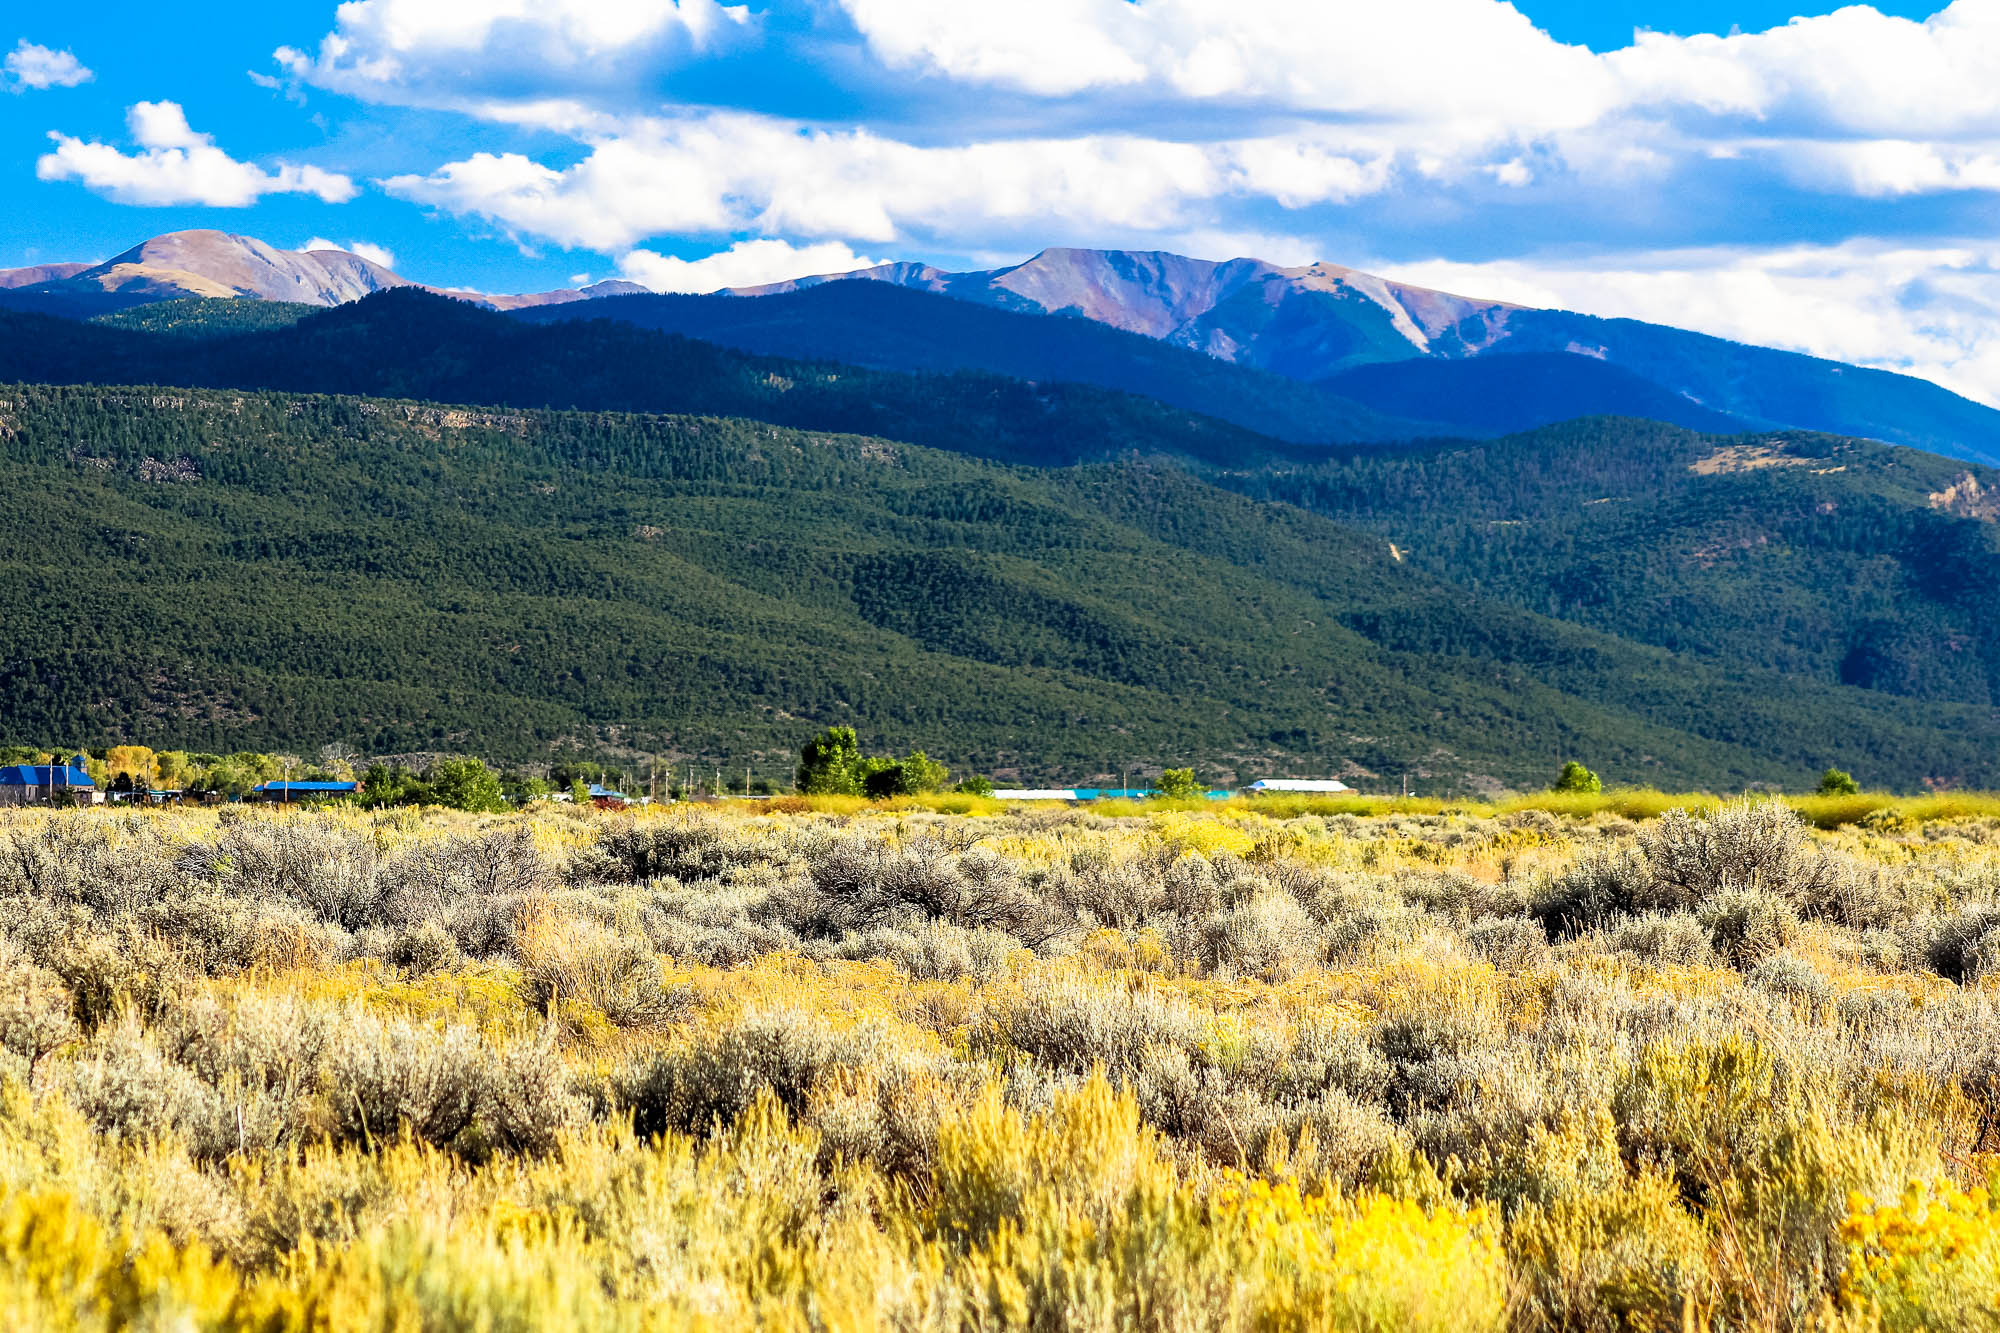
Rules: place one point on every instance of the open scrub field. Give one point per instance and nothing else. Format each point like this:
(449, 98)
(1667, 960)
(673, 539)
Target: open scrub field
(1048, 1069)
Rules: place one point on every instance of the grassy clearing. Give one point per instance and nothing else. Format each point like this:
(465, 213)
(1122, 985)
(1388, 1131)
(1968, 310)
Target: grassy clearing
(835, 1066)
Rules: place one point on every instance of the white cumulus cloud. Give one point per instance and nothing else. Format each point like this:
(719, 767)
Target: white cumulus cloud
(1467, 64)
(720, 173)
(374, 254)
(1855, 71)
(745, 264)
(1162, 116)
(1932, 311)
(477, 54)
(31, 66)
(176, 165)
(1427, 60)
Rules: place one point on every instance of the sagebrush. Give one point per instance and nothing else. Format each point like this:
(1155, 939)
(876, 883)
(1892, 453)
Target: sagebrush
(1041, 1069)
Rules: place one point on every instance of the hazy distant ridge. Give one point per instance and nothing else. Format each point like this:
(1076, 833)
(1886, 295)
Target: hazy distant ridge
(1321, 322)
(218, 264)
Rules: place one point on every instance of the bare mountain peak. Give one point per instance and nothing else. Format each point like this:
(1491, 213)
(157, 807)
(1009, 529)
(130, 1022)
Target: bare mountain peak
(37, 273)
(1236, 309)
(211, 263)
(907, 273)
(206, 262)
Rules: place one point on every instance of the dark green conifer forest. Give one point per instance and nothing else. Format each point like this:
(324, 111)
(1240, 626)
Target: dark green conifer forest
(223, 570)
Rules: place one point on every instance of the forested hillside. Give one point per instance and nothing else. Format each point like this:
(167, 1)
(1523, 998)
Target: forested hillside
(1789, 565)
(221, 570)
(208, 316)
(1492, 395)
(409, 343)
(880, 325)
(895, 328)
(1838, 560)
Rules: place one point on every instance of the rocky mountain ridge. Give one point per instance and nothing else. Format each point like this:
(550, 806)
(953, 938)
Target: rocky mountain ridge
(1402, 352)
(1323, 324)
(217, 264)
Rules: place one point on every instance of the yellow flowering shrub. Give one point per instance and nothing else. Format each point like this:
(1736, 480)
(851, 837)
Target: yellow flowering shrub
(1372, 1263)
(62, 1270)
(1928, 1259)
(1202, 833)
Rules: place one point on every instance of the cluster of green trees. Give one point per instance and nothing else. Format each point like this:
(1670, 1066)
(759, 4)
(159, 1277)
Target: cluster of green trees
(208, 317)
(465, 783)
(831, 764)
(123, 768)
(461, 783)
(1576, 778)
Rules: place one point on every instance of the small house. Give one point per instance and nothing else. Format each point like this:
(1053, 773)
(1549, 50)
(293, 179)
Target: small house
(32, 784)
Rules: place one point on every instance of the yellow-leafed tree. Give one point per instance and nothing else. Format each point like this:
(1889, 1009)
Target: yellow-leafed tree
(135, 761)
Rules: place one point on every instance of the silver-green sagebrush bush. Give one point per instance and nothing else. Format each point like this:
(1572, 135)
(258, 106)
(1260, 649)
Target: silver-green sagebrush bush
(835, 1066)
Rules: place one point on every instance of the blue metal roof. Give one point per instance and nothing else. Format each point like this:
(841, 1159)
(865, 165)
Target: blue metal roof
(599, 789)
(313, 788)
(44, 775)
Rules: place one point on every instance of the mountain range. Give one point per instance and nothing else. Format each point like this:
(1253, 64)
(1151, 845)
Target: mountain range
(1336, 327)
(1026, 536)
(1681, 606)
(217, 265)
(1312, 354)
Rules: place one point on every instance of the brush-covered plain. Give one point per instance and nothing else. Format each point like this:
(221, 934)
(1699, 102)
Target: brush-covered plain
(816, 1065)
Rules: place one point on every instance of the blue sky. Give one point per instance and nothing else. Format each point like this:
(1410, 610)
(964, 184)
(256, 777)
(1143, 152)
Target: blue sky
(1824, 180)
(1609, 24)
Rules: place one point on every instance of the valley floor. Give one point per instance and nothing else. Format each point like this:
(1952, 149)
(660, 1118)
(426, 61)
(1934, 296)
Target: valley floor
(851, 1068)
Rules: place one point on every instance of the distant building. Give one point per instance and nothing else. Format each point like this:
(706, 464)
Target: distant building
(148, 796)
(303, 791)
(29, 784)
(1300, 784)
(605, 796)
(1036, 794)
